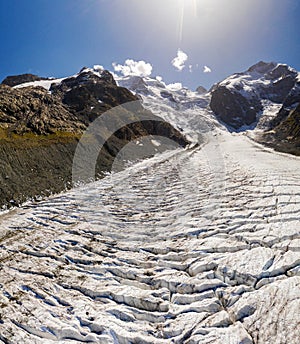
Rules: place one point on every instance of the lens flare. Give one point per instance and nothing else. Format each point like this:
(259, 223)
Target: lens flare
(182, 5)
(181, 19)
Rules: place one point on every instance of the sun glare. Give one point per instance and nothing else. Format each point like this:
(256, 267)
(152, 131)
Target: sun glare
(185, 5)
(191, 23)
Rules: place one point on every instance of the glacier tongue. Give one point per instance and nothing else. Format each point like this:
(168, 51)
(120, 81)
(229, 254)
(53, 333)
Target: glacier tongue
(191, 246)
(196, 245)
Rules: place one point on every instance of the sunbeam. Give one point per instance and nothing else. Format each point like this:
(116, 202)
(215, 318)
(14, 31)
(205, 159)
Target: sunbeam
(181, 19)
(195, 3)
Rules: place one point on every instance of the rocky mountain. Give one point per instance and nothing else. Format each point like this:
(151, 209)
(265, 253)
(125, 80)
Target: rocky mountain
(91, 93)
(201, 90)
(265, 97)
(238, 100)
(41, 121)
(259, 102)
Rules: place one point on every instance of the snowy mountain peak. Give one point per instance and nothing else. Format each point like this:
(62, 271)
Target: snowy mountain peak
(262, 67)
(240, 99)
(91, 71)
(272, 70)
(28, 80)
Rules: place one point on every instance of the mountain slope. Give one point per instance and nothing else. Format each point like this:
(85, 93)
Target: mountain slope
(285, 132)
(34, 110)
(264, 99)
(237, 100)
(42, 120)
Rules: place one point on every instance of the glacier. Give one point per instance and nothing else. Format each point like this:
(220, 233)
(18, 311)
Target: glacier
(194, 245)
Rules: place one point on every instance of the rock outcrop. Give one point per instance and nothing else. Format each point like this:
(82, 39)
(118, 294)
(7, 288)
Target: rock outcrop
(290, 127)
(285, 133)
(90, 94)
(233, 108)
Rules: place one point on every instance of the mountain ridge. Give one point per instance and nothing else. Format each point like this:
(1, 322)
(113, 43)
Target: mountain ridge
(41, 123)
(57, 111)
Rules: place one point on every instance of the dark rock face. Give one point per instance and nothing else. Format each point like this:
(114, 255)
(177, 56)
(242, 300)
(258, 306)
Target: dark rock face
(234, 109)
(20, 79)
(262, 67)
(201, 90)
(293, 97)
(282, 81)
(285, 133)
(290, 127)
(237, 100)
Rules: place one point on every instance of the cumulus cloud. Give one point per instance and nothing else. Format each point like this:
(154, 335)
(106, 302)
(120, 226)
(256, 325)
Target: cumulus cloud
(131, 67)
(179, 61)
(206, 69)
(98, 68)
(176, 86)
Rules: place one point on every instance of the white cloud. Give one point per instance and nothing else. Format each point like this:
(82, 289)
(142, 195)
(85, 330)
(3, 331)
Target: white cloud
(176, 86)
(191, 68)
(206, 69)
(179, 61)
(98, 68)
(131, 67)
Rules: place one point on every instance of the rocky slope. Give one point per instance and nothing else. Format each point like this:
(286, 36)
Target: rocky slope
(42, 120)
(34, 110)
(284, 132)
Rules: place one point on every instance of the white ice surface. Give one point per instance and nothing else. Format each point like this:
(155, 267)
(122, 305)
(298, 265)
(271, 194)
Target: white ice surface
(42, 83)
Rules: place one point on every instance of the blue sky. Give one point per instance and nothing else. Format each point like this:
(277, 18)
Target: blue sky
(59, 37)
